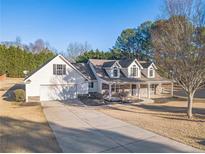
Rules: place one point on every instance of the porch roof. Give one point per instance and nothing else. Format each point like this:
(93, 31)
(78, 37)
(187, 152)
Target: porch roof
(135, 81)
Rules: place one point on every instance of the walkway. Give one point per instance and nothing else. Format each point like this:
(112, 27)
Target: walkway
(80, 129)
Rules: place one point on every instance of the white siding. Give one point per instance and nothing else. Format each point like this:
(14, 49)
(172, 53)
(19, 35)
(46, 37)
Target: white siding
(95, 87)
(129, 69)
(45, 77)
(99, 80)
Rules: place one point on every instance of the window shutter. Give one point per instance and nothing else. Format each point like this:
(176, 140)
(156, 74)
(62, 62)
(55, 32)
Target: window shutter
(64, 69)
(54, 69)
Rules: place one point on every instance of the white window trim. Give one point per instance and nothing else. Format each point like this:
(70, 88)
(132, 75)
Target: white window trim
(115, 68)
(59, 68)
(137, 73)
(151, 68)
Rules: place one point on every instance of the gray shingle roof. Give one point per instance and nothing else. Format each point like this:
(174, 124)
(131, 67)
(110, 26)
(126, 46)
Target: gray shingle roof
(85, 70)
(108, 64)
(100, 71)
(145, 64)
(126, 62)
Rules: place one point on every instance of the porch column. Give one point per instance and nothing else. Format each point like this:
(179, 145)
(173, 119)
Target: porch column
(136, 90)
(110, 91)
(159, 89)
(139, 91)
(148, 90)
(130, 89)
(172, 89)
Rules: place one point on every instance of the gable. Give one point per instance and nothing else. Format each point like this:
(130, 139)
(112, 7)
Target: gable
(47, 68)
(111, 64)
(135, 62)
(116, 64)
(152, 65)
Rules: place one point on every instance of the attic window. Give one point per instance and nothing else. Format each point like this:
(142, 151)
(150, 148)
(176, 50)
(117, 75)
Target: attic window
(115, 72)
(59, 69)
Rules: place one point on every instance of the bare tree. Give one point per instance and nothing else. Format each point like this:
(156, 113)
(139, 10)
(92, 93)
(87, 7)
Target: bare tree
(179, 43)
(38, 46)
(76, 49)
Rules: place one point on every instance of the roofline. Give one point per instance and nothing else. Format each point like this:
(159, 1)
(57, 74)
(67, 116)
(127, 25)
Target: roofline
(63, 58)
(60, 56)
(116, 61)
(153, 65)
(102, 59)
(41, 66)
(137, 63)
(89, 60)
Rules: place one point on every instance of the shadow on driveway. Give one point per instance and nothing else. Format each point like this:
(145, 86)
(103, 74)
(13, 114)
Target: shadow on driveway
(26, 136)
(99, 140)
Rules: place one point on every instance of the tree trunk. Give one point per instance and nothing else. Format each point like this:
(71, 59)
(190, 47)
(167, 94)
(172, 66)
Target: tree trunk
(190, 102)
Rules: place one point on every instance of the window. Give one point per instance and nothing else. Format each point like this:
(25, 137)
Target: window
(59, 69)
(90, 84)
(115, 72)
(134, 71)
(151, 72)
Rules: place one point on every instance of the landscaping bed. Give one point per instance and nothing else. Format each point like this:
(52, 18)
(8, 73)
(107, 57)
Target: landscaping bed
(97, 100)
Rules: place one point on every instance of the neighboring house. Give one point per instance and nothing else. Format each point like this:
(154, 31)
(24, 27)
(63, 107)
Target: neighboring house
(59, 79)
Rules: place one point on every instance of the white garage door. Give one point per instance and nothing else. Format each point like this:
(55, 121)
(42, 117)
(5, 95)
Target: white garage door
(58, 92)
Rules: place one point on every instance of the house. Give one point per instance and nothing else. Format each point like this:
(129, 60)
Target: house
(59, 79)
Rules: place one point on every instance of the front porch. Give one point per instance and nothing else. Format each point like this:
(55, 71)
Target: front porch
(137, 90)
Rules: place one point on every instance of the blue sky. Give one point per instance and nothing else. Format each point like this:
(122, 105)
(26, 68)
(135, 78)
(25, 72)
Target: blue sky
(99, 22)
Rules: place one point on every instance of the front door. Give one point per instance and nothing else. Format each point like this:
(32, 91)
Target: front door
(134, 90)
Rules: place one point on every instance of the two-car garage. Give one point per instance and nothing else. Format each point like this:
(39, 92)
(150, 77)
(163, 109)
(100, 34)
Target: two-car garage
(56, 80)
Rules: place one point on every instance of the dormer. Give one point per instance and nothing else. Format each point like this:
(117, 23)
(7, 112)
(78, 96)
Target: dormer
(151, 71)
(131, 68)
(134, 71)
(112, 68)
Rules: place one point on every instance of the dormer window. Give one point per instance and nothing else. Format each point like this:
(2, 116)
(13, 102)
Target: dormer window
(115, 72)
(151, 72)
(134, 72)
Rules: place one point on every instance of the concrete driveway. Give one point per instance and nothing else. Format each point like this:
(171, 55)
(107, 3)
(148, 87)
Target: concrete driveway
(81, 129)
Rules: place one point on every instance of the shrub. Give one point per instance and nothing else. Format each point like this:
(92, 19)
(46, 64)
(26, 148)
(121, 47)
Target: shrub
(20, 95)
(123, 94)
(95, 95)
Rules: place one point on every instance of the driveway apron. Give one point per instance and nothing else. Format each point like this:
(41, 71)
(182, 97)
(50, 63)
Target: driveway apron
(81, 129)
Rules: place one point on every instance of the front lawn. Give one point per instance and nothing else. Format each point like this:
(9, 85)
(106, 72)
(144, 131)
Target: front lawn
(23, 128)
(166, 118)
